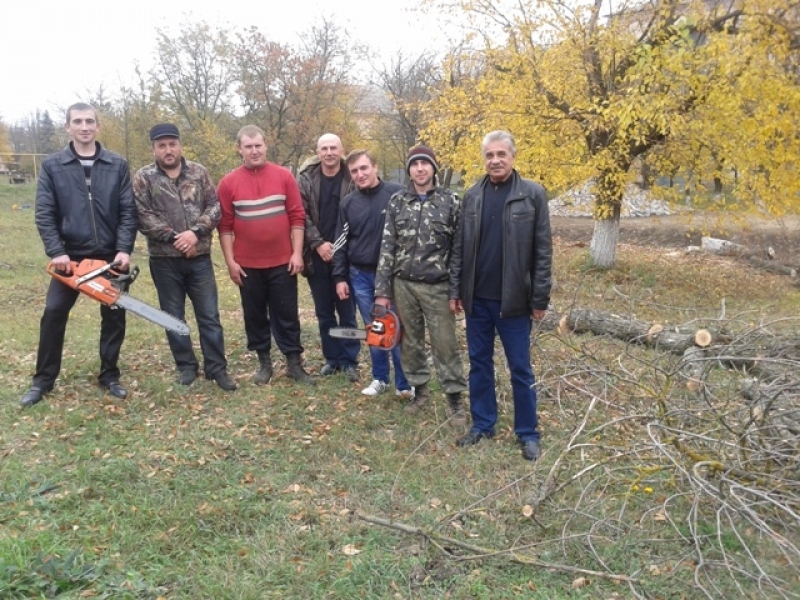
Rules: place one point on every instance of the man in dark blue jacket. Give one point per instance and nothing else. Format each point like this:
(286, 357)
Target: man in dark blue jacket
(84, 209)
(500, 275)
(358, 235)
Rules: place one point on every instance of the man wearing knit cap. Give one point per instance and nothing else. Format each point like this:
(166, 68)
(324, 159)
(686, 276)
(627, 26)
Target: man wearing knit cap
(414, 270)
(178, 212)
(500, 276)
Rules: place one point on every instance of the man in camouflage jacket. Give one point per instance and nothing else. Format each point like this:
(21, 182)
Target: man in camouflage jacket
(178, 212)
(414, 270)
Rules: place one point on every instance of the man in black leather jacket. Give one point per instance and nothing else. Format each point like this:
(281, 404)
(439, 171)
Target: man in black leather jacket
(84, 209)
(500, 275)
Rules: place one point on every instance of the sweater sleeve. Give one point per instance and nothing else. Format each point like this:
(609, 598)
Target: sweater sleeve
(294, 203)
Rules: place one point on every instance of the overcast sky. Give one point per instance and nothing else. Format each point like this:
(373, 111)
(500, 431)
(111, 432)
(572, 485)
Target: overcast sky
(53, 52)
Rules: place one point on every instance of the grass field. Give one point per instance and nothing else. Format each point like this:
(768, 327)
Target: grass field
(286, 491)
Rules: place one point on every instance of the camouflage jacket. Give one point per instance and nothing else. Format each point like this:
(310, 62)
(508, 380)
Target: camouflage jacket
(170, 206)
(418, 238)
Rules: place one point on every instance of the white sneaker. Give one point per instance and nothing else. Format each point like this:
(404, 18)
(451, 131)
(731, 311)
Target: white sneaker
(374, 388)
(405, 394)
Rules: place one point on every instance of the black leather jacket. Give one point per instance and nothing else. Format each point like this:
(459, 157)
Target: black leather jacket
(527, 248)
(74, 222)
(308, 180)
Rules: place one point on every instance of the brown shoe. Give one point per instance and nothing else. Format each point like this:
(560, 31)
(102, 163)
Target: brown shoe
(420, 399)
(455, 410)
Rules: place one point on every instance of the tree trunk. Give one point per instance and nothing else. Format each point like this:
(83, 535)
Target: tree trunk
(603, 249)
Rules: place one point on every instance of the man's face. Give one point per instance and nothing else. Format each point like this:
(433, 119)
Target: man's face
(253, 151)
(421, 172)
(498, 160)
(364, 173)
(167, 151)
(83, 126)
(329, 151)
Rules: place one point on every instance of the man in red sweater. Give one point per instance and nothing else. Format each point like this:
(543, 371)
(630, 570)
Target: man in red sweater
(261, 234)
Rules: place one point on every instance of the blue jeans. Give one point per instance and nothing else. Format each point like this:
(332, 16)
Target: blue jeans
(176, 278)
(337, 352)
(362, 284)
(515, 334)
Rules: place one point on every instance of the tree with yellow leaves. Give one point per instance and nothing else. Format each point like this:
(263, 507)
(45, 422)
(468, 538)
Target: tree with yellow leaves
(701, 86)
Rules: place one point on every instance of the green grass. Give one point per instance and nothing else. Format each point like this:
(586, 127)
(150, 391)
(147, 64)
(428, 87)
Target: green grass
(187, 494)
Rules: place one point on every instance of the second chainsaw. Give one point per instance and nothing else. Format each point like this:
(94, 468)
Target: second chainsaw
(383, 333)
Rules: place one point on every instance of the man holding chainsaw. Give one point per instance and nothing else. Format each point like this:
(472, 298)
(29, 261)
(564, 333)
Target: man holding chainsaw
(178, 212)
(84, 209)
(359, 231)
(414, 270)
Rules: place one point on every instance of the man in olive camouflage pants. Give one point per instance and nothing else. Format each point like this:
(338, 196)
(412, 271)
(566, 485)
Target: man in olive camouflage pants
(414, 266)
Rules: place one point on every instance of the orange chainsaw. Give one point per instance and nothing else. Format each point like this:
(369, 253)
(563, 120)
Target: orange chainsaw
(100, 281)
(383, 332)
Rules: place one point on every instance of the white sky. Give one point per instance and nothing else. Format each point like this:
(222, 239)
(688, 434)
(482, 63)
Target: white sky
(52, 51)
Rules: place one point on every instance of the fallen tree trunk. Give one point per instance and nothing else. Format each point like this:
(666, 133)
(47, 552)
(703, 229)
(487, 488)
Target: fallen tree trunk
(599, 322)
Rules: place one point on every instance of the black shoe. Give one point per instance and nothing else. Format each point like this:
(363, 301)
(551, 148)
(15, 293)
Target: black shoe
(115, 389)
(224, 381)
(187, 376)
(32, 396)
(352, 374)
(473, 437)
(531, 450)
(328, 369)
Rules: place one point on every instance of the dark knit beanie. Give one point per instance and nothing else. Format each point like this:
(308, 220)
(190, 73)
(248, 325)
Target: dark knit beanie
(422, 153)
(164, 130)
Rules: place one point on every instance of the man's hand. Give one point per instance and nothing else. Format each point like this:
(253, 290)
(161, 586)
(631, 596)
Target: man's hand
(124, 260)
(325, 251)
(62, 263)
(538, 315)
(237, 273)
(185, 241)
(456, 307)
(343, 290)
(295, 264)
(383, 301)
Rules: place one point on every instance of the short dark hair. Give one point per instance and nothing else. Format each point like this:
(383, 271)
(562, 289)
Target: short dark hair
(356, 154)
(250, 131)
(81, 106)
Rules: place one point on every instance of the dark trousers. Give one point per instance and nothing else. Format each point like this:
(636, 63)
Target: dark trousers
(269, 303)
(176, 278)
(58, 303)
(515, 334)
(337, 352)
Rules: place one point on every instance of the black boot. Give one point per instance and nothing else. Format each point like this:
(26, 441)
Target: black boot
(264, 373)
(295, 370)
(455, 409)
(420, 399)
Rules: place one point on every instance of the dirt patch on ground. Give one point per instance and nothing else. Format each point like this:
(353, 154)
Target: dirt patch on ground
(680, 231)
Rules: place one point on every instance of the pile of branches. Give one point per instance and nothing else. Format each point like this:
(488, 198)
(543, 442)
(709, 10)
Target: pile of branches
(681, 471)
